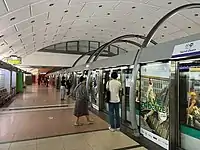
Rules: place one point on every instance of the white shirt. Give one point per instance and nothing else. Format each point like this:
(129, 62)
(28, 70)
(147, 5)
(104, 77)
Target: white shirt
(114, 86)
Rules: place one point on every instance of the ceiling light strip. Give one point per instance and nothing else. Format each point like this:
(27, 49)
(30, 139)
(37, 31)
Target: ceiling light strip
(61, 19)
(21, 41)
(30, 8)
(72, 23)
(69, 2)
(82, 7)
(48, 15)
(5, 42)
(6, 5)
(16, 28)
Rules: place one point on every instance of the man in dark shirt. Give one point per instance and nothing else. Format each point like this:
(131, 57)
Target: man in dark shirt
(63, 88)
(68, 86)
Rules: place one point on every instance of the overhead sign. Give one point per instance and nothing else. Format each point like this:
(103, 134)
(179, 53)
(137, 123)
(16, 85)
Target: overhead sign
(14, 60)
(187, 49)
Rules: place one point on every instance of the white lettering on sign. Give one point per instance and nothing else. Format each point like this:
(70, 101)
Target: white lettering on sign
(187, 49)
(155, 138)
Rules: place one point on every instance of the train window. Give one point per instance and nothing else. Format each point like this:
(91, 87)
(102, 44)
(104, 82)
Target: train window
(83, 46)
(93, 45)
(72, 46)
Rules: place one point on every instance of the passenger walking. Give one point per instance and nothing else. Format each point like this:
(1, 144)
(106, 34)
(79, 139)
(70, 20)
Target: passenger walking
(82, 98)
(63, 88)
(68, 85)
(58, 83)
(114, 86)
(47, 81)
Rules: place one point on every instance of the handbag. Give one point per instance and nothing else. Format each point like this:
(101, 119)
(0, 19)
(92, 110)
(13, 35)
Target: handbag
(108, 94)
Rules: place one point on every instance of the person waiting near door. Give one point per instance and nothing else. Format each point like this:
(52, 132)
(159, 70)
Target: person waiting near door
(114, 86)
(63, 88)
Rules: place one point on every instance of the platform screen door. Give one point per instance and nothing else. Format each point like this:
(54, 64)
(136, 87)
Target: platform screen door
(189, 105)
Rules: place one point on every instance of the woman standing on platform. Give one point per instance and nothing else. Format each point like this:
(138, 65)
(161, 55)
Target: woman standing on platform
(63, 88)
(82, 98)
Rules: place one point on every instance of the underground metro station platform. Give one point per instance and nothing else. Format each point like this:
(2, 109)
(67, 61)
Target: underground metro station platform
(53, 51)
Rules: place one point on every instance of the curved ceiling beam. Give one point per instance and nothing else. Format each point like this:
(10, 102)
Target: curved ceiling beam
(125, 41)
(145, 43)
(163, 19)
(98, 53)
(102, 47)
(130, 42)
(85, 54)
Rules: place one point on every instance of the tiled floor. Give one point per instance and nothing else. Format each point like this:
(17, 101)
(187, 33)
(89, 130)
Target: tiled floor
(27, 126)
(99, 140)
(45, 123)
(38, 96)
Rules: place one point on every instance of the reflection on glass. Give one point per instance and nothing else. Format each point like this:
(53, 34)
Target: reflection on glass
(191, 72)
(93, 91)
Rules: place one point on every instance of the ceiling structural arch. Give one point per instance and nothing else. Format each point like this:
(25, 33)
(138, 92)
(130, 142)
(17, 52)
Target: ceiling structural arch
(118, 39)
(136, 62)
(106, 44)
(85, 54)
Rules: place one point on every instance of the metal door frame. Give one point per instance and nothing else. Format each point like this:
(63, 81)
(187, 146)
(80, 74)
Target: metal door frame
(174, 132)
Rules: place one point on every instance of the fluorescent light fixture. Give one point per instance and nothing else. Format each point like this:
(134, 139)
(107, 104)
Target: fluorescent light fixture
(14, 57)
(107, 69)
(125, 67)
(87, 66)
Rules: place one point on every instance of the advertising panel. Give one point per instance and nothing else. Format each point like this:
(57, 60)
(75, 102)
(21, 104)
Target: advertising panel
(154, 108)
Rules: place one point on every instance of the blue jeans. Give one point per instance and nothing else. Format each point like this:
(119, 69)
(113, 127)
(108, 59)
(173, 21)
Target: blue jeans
(114, 115)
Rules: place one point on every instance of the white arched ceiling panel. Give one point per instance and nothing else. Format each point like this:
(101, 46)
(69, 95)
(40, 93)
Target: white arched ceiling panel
(35, 21)
(13, 5)
(167, 4)
(9, 31)
(15, 17)
(39, 23)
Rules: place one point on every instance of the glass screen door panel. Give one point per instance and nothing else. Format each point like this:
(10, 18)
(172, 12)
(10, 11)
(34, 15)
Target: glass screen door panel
(126, 83)
(189, 105)
(106, 78)
(94, 88)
